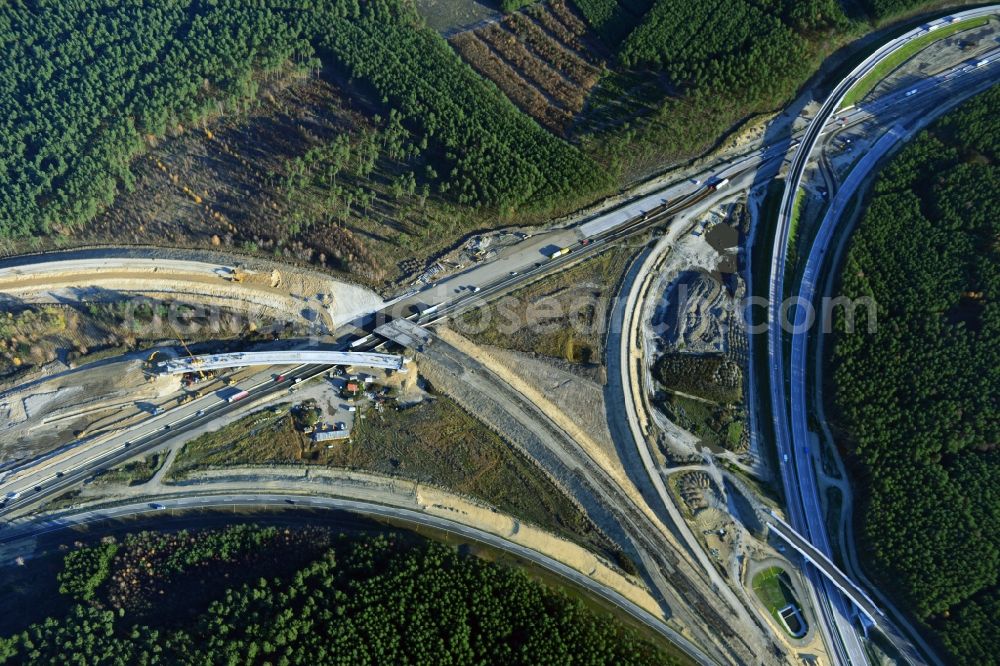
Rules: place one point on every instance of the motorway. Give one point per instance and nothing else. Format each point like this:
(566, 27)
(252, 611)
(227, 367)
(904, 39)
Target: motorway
(805, 509)
(516, 266)
(622, 333)
(114, 449)
(35, 483)
(940, 101)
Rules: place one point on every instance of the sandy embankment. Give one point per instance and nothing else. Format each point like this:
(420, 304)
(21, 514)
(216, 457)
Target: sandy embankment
(283, 292)
(435, 501)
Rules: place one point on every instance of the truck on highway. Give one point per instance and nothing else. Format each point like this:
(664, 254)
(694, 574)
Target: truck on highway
(718, 184)
(238, 396)
(558, 253)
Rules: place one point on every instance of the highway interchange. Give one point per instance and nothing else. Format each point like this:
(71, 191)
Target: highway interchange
(530, 260)
(791, 438)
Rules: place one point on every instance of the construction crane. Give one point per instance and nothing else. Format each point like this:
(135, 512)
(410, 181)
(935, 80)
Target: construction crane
(194, 361)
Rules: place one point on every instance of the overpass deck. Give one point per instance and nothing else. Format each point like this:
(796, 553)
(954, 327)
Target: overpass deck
(312, 357)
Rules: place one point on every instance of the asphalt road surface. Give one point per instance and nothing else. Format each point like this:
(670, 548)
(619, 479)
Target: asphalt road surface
(34, 528)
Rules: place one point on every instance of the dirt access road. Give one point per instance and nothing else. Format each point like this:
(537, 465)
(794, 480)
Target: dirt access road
(282, 292)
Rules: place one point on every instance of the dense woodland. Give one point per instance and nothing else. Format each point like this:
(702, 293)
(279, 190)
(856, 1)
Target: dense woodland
(885, 9)
(920, 395)
(716, 64)
(85, 84)
(371, 600)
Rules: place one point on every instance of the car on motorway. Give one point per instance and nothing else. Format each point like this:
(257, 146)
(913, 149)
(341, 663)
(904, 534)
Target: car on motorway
(513, 273)
(785, 457)
(60, 475)
(12, 495)
(200, 412)
(38, 489)
(157, 506)
(279, 378)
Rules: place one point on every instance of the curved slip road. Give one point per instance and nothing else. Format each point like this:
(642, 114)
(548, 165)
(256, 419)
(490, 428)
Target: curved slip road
(805, 509)
(33, 528)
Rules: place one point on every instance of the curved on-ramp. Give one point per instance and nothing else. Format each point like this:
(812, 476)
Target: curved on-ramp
(805, 509)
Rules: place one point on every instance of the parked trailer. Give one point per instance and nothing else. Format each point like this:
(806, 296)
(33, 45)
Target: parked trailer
(236, 397)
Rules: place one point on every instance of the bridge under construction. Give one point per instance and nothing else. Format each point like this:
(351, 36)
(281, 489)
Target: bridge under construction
(312, 357)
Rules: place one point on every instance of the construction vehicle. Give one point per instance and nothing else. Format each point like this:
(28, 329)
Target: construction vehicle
(194, 361)
(148, 363)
